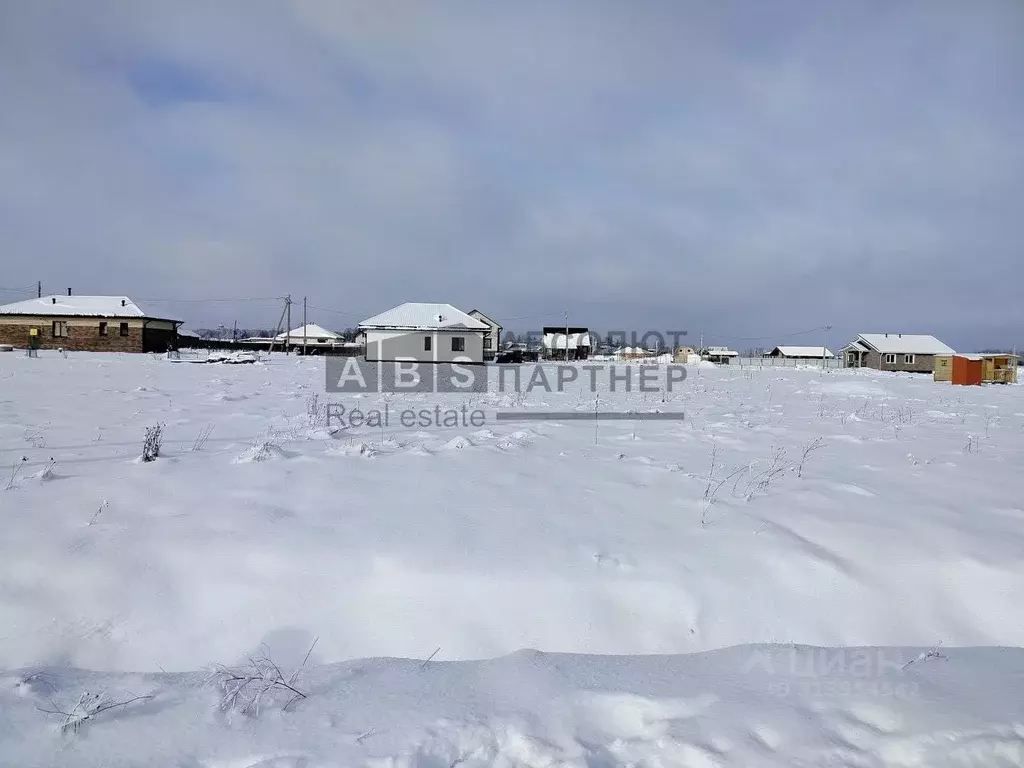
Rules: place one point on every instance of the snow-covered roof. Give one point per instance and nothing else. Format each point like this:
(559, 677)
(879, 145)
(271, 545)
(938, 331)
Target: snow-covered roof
(790, 351)
(557, 340)
(424, 317)
(188, 334)
(905, 343)
(721, 352)
(77, 306)
(312, 331)
(484, 318)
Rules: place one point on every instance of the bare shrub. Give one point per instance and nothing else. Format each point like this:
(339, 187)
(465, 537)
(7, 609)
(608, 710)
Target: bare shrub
(316, 412)
(760, 482)
(89, 706)
(36, 436)
(246, 688)
(152, 441)
(202, 437)
(816, 444)
(266, 444)
(16, 469)
(934, 653)
(103, 505)
(714, 485)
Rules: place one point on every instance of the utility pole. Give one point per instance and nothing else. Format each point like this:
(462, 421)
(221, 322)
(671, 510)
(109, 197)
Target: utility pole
(277, 329)
(303, 326)
(234, 332)
(824, 347)
(567, 335)
(39, 289)
(288, 329)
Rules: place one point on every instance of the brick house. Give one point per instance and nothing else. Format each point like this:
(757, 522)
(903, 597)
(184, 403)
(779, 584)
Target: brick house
(90, 323)
(894, 352)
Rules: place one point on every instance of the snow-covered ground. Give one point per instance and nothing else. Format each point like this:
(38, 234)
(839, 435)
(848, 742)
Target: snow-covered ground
(742, 587)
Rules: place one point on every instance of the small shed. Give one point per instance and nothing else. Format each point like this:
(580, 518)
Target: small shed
(967, 370)
(996, 368)
(999, 368)
(686, 355)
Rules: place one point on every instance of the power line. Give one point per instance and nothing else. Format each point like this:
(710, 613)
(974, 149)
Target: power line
(339, 311)
(211, 301)
(779, 335)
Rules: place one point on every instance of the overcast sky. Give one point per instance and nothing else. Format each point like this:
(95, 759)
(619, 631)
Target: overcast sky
(745, 169)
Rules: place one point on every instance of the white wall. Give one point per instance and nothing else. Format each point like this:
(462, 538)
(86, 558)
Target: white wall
(393, 345)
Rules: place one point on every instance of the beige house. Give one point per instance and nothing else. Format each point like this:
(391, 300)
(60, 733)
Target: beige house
(492, 339)
(894, 352)
(91, 323)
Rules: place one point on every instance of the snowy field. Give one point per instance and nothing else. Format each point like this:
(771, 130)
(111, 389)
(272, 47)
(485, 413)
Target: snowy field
(811, 569)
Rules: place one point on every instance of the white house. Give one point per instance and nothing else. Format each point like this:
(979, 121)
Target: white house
(555, 339)
(720, 355)
(315, 337)
(801, 353)
(426, 333)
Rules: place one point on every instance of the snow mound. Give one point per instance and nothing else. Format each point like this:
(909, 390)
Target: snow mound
(458, 444)
(325, 433)
(228, 397)
(770, 706)
(260, 451)
(355, 450)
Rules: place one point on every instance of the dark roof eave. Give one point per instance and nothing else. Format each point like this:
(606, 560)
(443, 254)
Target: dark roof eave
(98, 316)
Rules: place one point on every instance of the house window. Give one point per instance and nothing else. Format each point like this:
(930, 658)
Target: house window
(103, 329)
(908, 359)
(890, 359)
(487, 341)
(458, 343)
(124, 329)
(427, 343)
(60, 328)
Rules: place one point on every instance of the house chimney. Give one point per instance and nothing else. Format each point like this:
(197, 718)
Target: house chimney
(69, 291)
(53, 300)
(122, 302)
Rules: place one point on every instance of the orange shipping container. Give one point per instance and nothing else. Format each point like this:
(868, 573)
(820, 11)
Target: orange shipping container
(966, 371)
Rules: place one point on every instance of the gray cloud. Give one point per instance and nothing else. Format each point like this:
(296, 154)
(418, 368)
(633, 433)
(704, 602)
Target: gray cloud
(737, 168)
